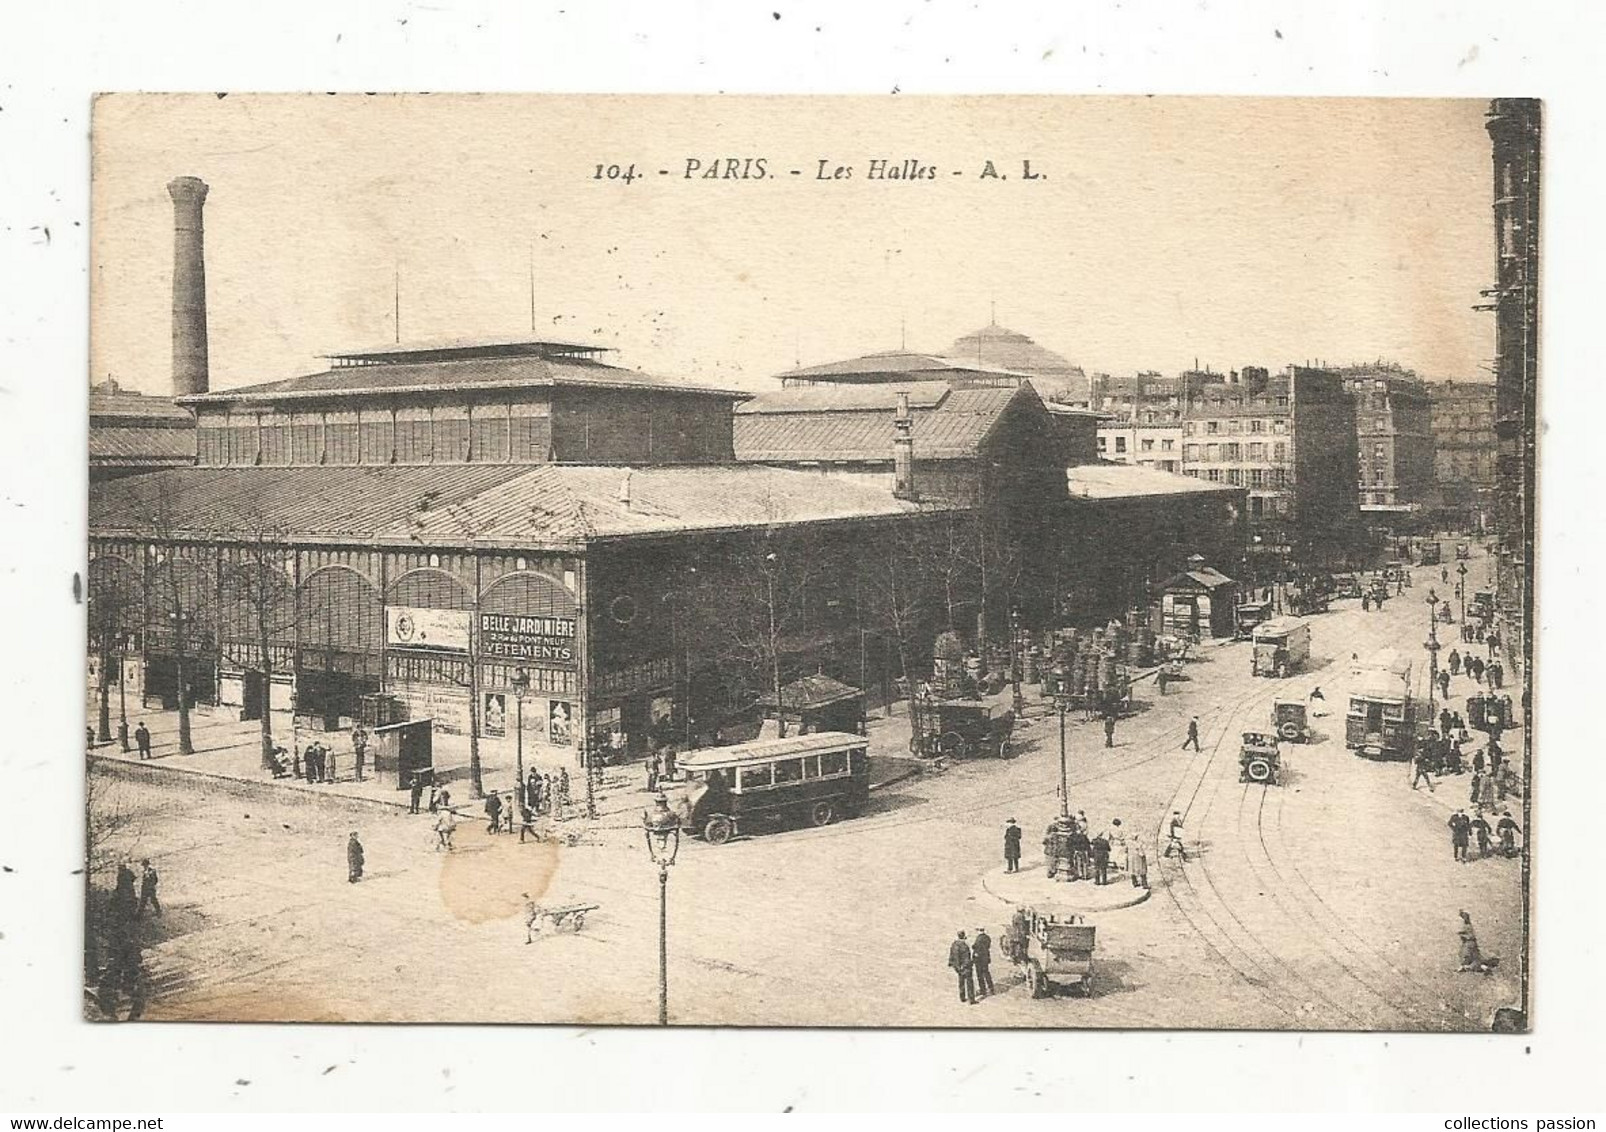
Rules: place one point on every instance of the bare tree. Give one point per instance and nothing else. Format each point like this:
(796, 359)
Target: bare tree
(757, 603)
(111, 598)
(258, 583)
(181, 609)
(905, 573)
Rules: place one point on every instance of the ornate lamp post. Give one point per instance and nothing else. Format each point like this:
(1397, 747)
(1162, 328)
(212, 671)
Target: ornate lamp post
(1461, 590)
(1432, 645)
(663, 842)
(1017, 660)
(521, 685)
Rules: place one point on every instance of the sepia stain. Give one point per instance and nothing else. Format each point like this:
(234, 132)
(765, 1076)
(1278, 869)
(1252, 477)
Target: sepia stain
(266, 1004)
(490, 883)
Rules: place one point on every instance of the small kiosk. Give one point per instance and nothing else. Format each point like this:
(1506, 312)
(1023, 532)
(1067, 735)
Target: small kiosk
(1198, 603)
(817, 703)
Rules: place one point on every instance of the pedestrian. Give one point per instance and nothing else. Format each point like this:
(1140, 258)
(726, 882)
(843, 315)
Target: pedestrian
(1508, 830)
(1444, 684)
(446, 799)
(1444, 721)
(1193, 734)
(1486, 792)
(960, 960)
(652, 773)
(532, 790)
(1012, 833)
(1444, 574)
(445, 827)
(326, 756)
(1420, 770)
(1477, 781)
(527, 823)
(415, 793)
(353, 859)
(1366, 603)
(1477, 671)
(1480, 829)
(1477, 761)
(1174, 836)
(142, 740)
(1101, 860)
(1119, 845)
(1109, 729)
(1139, 865)
(669, 762)
(1455, 663)
(359, 749)
(1081, 852)
(1497, 675)
(434, 797)
(147, 889)
(1452, 760)
(493, 812)
(981, 957)
(1459, 825)
(563, 785)
(1471, 957)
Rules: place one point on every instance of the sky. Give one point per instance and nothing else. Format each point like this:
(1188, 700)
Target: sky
(1157, 230)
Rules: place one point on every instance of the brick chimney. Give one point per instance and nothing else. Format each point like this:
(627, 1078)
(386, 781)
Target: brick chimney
(903, 451)
(190, 373)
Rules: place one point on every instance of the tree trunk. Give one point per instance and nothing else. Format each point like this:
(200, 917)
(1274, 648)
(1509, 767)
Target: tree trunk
(103, 729)
(267, 701)
(185, 745)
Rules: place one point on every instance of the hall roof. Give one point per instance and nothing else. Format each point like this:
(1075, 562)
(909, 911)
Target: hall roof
(458, 365)
(890, 365)
(514, 506)
(854, 424)
(1134, 481)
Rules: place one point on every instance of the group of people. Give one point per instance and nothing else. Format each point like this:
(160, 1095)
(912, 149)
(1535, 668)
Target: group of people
(660, 767)
(317, 763)
(1464, 828)
(972, 961)
(124, 970)
(1475, 667)
(1073, 851)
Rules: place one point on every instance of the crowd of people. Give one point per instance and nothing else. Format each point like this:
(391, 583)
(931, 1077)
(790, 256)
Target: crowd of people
(1074, 850)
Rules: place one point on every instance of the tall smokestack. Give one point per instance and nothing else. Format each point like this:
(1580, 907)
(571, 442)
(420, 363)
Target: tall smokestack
(903, 451)
(190, 373)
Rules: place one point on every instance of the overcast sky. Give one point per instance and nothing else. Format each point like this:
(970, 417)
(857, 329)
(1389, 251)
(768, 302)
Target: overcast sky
(1235, 231)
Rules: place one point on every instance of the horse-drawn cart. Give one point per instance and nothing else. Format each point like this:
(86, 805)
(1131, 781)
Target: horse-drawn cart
(960, 729)
(1052, 949)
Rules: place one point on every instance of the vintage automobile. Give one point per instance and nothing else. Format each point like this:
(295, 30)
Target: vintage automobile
(1288, 720)
(1463, 551)
(961, 729)
(1052, 948)
(1259, 760)
(1248, 615)
(1430, 554)
(815, 778)
(1346, 585)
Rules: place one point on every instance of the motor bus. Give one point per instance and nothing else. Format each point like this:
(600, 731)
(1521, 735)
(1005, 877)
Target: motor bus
(814, 778)
(1381, 722)
(1282, 646)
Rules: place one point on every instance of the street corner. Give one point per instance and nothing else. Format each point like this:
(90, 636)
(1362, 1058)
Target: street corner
(1032, 887)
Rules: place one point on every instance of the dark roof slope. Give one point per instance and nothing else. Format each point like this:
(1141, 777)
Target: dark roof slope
(949, 424)
(891, 364)
(489, 505)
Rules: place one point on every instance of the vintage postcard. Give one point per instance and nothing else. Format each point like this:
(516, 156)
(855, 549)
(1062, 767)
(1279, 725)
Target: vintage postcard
(811, 561)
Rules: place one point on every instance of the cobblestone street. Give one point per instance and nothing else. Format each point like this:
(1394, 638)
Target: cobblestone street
(1329, 902)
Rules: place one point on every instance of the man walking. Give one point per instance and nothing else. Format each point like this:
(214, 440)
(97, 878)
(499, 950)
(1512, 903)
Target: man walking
(1109, 728)
(354, 859)
(960, 960)
(326, 757)
(359, 749)
(1011, 847)
(1460, 825)
(147, 889)
(1420, 764)
(1081, 850)
(415, 793)
(1193, 734)
(493, 812)
(981, 956)
(1455, 663)
(142, 740)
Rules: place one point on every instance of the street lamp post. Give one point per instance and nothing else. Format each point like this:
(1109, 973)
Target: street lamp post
(1432, 646)
(521, 685)
(662, 830)
(1017, 659)
(1062, 704)
(1461, 590)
